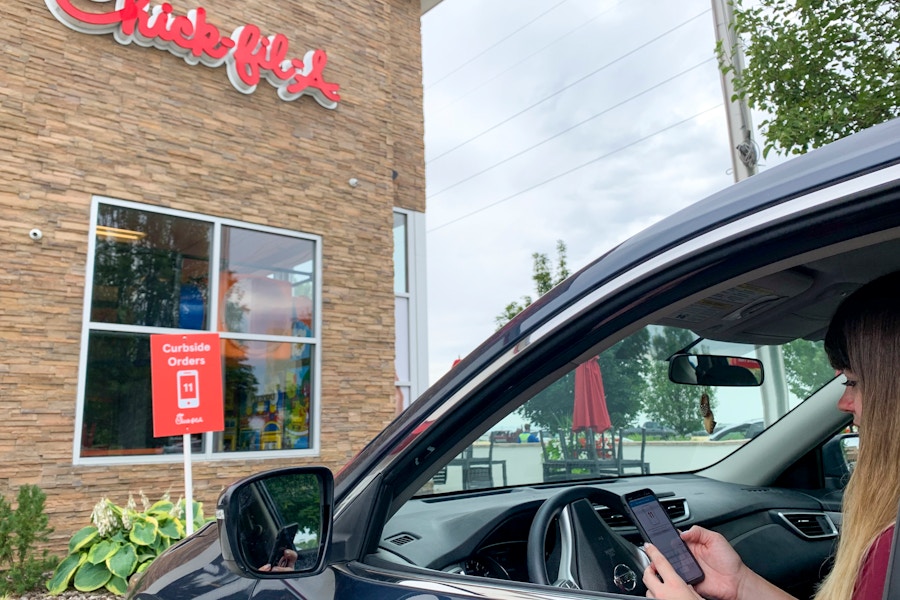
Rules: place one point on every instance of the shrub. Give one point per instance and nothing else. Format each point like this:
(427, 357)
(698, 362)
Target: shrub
(120, 542)
(22, 529)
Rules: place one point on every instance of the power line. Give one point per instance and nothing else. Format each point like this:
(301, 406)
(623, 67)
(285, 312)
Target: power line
(524, 59)
(568, 129)
(574, 83)
(497, 43)
(573, 169)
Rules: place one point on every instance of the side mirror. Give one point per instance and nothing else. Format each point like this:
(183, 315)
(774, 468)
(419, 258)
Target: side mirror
(839, 459)
(277, 523)
(707, 369)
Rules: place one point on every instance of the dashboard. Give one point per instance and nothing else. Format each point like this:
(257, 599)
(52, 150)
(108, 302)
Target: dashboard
(784, 535)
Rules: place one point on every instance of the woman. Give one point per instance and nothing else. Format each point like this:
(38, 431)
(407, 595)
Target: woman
(863, 343)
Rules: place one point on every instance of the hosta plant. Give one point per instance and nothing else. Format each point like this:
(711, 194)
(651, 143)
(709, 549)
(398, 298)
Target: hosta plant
(120, 542)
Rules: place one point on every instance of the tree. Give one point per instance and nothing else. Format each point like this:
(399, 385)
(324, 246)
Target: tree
(806, 367)
(543, 278)
(623, 365)
(821, 69)
(546, 408)
(676, 406)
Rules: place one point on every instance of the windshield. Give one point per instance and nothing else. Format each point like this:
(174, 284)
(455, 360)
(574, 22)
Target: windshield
(621, 414)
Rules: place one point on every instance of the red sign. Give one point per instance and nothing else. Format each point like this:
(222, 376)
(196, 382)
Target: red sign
(187, 384)
(246, 54)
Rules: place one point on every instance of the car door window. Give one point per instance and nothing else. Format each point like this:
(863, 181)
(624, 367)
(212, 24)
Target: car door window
(619, 414)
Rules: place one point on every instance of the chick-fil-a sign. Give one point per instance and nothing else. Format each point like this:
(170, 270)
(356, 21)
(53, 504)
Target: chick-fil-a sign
(248, 56)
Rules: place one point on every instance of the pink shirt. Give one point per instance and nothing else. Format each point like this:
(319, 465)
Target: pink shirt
(872, 575)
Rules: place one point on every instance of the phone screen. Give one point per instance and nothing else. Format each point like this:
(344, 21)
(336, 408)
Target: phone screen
(657, 528)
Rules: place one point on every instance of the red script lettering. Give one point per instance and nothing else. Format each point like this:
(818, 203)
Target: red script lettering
(248, 56)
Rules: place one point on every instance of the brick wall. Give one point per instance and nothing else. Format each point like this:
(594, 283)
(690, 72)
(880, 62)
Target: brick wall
(81, 115)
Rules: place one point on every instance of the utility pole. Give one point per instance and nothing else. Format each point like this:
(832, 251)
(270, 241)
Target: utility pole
(744, 157)
(731, 63)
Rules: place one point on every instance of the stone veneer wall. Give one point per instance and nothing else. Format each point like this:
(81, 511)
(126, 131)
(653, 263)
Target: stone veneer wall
(82, 115)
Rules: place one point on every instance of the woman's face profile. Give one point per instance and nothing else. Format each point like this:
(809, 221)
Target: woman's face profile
(850, 401)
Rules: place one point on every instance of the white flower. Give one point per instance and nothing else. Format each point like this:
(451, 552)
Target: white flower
(177, 510)
(104, 517)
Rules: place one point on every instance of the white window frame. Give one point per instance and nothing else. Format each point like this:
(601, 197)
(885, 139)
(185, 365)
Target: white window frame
(416, 338)
(207, 454)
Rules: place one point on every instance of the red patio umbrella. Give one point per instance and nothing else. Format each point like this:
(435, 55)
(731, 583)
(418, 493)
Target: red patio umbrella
(590, 413)
(590, 410)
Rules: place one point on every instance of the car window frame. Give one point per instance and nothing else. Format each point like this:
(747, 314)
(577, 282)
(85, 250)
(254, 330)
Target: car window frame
(502, 373)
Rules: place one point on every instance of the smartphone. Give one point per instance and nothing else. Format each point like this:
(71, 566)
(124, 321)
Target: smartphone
(656, 527)
(188, 389)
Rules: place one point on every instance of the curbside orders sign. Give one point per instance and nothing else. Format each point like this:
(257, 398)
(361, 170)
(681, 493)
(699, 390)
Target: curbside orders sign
(186, 374)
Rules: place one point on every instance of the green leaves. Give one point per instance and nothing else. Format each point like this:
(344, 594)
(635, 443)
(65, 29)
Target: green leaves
(144, 531)
(90, 577)
(63, 573)
(121, 542)
(819, 69)
(171, 528)
(123, 562)
(100, 551)
(544, 280)
(84, 537)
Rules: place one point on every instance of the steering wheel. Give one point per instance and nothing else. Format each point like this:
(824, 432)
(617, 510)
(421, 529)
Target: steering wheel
(586, 553)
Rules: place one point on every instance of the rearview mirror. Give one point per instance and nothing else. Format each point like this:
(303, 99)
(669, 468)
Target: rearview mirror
(709, 369)
(277, 523)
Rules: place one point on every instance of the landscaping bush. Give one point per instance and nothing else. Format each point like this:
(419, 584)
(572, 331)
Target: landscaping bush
(120, 542)
(21, 568)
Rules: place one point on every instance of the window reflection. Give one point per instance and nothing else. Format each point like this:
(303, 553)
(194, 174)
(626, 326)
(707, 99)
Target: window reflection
(150, 269)
(267, 283)
(152, 272)
(401, 280)
(267, 397)
(117, 411)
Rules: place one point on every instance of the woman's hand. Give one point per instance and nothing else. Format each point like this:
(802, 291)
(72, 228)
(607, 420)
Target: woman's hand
(726, 577)
(723, 569)
(662, 581)
(285, 563)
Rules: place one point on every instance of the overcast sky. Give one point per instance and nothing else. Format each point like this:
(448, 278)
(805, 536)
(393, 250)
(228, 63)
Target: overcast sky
(576, 120)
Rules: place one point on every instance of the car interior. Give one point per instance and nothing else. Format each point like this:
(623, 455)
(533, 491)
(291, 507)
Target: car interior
(776, 496)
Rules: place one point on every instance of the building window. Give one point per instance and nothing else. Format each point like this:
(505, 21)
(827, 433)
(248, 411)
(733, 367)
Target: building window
(409, 306)
(401, 251)
(158, 271)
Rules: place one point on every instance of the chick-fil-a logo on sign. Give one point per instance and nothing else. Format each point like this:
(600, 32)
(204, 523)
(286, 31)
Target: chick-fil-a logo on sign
(248, 56)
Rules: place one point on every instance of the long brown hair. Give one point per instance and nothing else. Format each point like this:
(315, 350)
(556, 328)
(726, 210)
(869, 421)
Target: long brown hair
(864, 338)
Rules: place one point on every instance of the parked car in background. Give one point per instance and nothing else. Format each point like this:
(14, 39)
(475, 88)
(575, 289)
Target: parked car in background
(651, 429)
(739, 275)
(741, 431)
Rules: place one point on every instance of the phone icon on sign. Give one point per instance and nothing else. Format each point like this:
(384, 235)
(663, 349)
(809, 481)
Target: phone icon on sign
(188, 389)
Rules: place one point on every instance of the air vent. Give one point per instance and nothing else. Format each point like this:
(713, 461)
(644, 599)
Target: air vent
(613, 518)
(811, 526)
(402, 538)
(676, 507)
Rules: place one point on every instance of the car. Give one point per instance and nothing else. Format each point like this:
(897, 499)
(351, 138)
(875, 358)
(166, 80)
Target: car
(738, 280)
(742, 431)
(651, 429)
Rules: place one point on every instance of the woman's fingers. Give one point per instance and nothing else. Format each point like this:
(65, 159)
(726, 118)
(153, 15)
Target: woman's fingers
(662, 565)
